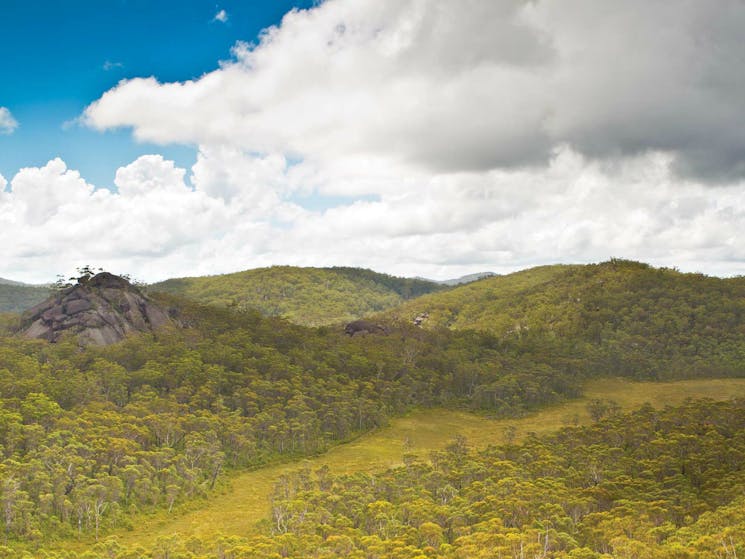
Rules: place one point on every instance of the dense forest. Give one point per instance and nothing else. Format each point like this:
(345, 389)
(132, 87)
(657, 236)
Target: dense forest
(650, 484)
(93, 437)
(625, 317)
(88, 437)
(307, 296)
(653, 484)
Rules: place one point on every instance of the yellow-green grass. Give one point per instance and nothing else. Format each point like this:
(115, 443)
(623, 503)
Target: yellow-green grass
(238, 509)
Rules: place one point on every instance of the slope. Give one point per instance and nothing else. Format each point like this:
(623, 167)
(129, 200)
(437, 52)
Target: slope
(17, 297)
(91, 436)
(620, 316)
(238, 510)
(494, 304)
(307, 296)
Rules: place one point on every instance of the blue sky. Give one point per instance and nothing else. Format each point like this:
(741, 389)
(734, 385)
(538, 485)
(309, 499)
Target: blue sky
(57, 57)
(426, 138)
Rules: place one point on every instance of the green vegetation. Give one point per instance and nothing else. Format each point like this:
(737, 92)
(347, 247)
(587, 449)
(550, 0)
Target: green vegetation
(99, 440)
(240, 509)
(656, 483)
(16, 298)
(307, 296)
(624, 318)
(650, 484)
(90, 438)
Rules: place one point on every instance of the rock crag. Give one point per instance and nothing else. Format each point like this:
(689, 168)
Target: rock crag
(101, 311)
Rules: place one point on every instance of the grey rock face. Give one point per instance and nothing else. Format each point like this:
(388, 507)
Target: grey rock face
(364, 326)
(102, 311)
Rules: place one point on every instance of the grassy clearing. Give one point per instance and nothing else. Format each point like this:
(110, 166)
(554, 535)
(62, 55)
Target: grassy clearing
(238, 509)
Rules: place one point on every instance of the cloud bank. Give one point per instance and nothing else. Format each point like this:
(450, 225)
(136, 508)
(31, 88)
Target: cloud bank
(440, 138)
(244, 212)
(468, 86)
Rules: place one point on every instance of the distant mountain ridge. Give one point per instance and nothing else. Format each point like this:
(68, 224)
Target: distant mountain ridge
(306, 296)
(16, 297)
(4, 281)
(467, 278)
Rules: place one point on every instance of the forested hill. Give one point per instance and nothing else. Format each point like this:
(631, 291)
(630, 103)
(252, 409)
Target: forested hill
(307, 296)
(628, 317)
(17, 297)
(90, 437)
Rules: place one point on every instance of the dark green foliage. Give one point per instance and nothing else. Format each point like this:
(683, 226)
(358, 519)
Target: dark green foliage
(407, 288)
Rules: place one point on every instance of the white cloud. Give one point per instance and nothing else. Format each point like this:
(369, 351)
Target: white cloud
(463, 86)
(8, 124)
(574, 210)
(221, 16)
(449, 137)
(51, 220)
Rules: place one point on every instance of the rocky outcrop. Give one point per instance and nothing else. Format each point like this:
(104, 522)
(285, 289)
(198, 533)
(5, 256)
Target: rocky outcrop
(100, 311)
(420, 318)
(364, 327)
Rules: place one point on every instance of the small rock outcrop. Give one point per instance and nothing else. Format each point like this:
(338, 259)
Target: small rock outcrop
(364, 326)
(420, 318)
(101, 311)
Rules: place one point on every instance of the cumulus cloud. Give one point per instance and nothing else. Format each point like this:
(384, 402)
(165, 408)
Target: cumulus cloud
(221, 16)
(156, 225)
(575, 210)
(448, 138)
(51, 219)
(463, 86)
(8, 124)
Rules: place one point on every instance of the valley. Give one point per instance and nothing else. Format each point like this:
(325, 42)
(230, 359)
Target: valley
(136, 422)
(244, 503)
(372, 279)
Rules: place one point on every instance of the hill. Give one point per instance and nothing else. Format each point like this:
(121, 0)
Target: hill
(241, 509)
(102, 309)
(4, 281)
(16, 297)
(307, 296)
(493, 304)
(156, 419)
(95, 439)
(626, 317)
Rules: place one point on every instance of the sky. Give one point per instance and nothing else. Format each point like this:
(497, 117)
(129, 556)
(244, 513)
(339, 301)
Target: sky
(414, 137)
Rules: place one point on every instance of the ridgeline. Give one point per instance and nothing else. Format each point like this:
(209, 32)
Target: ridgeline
(307, 296)
(17, 297)
(621, 317)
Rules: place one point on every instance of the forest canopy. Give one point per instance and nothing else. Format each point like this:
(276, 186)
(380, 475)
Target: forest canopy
(92, 438)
